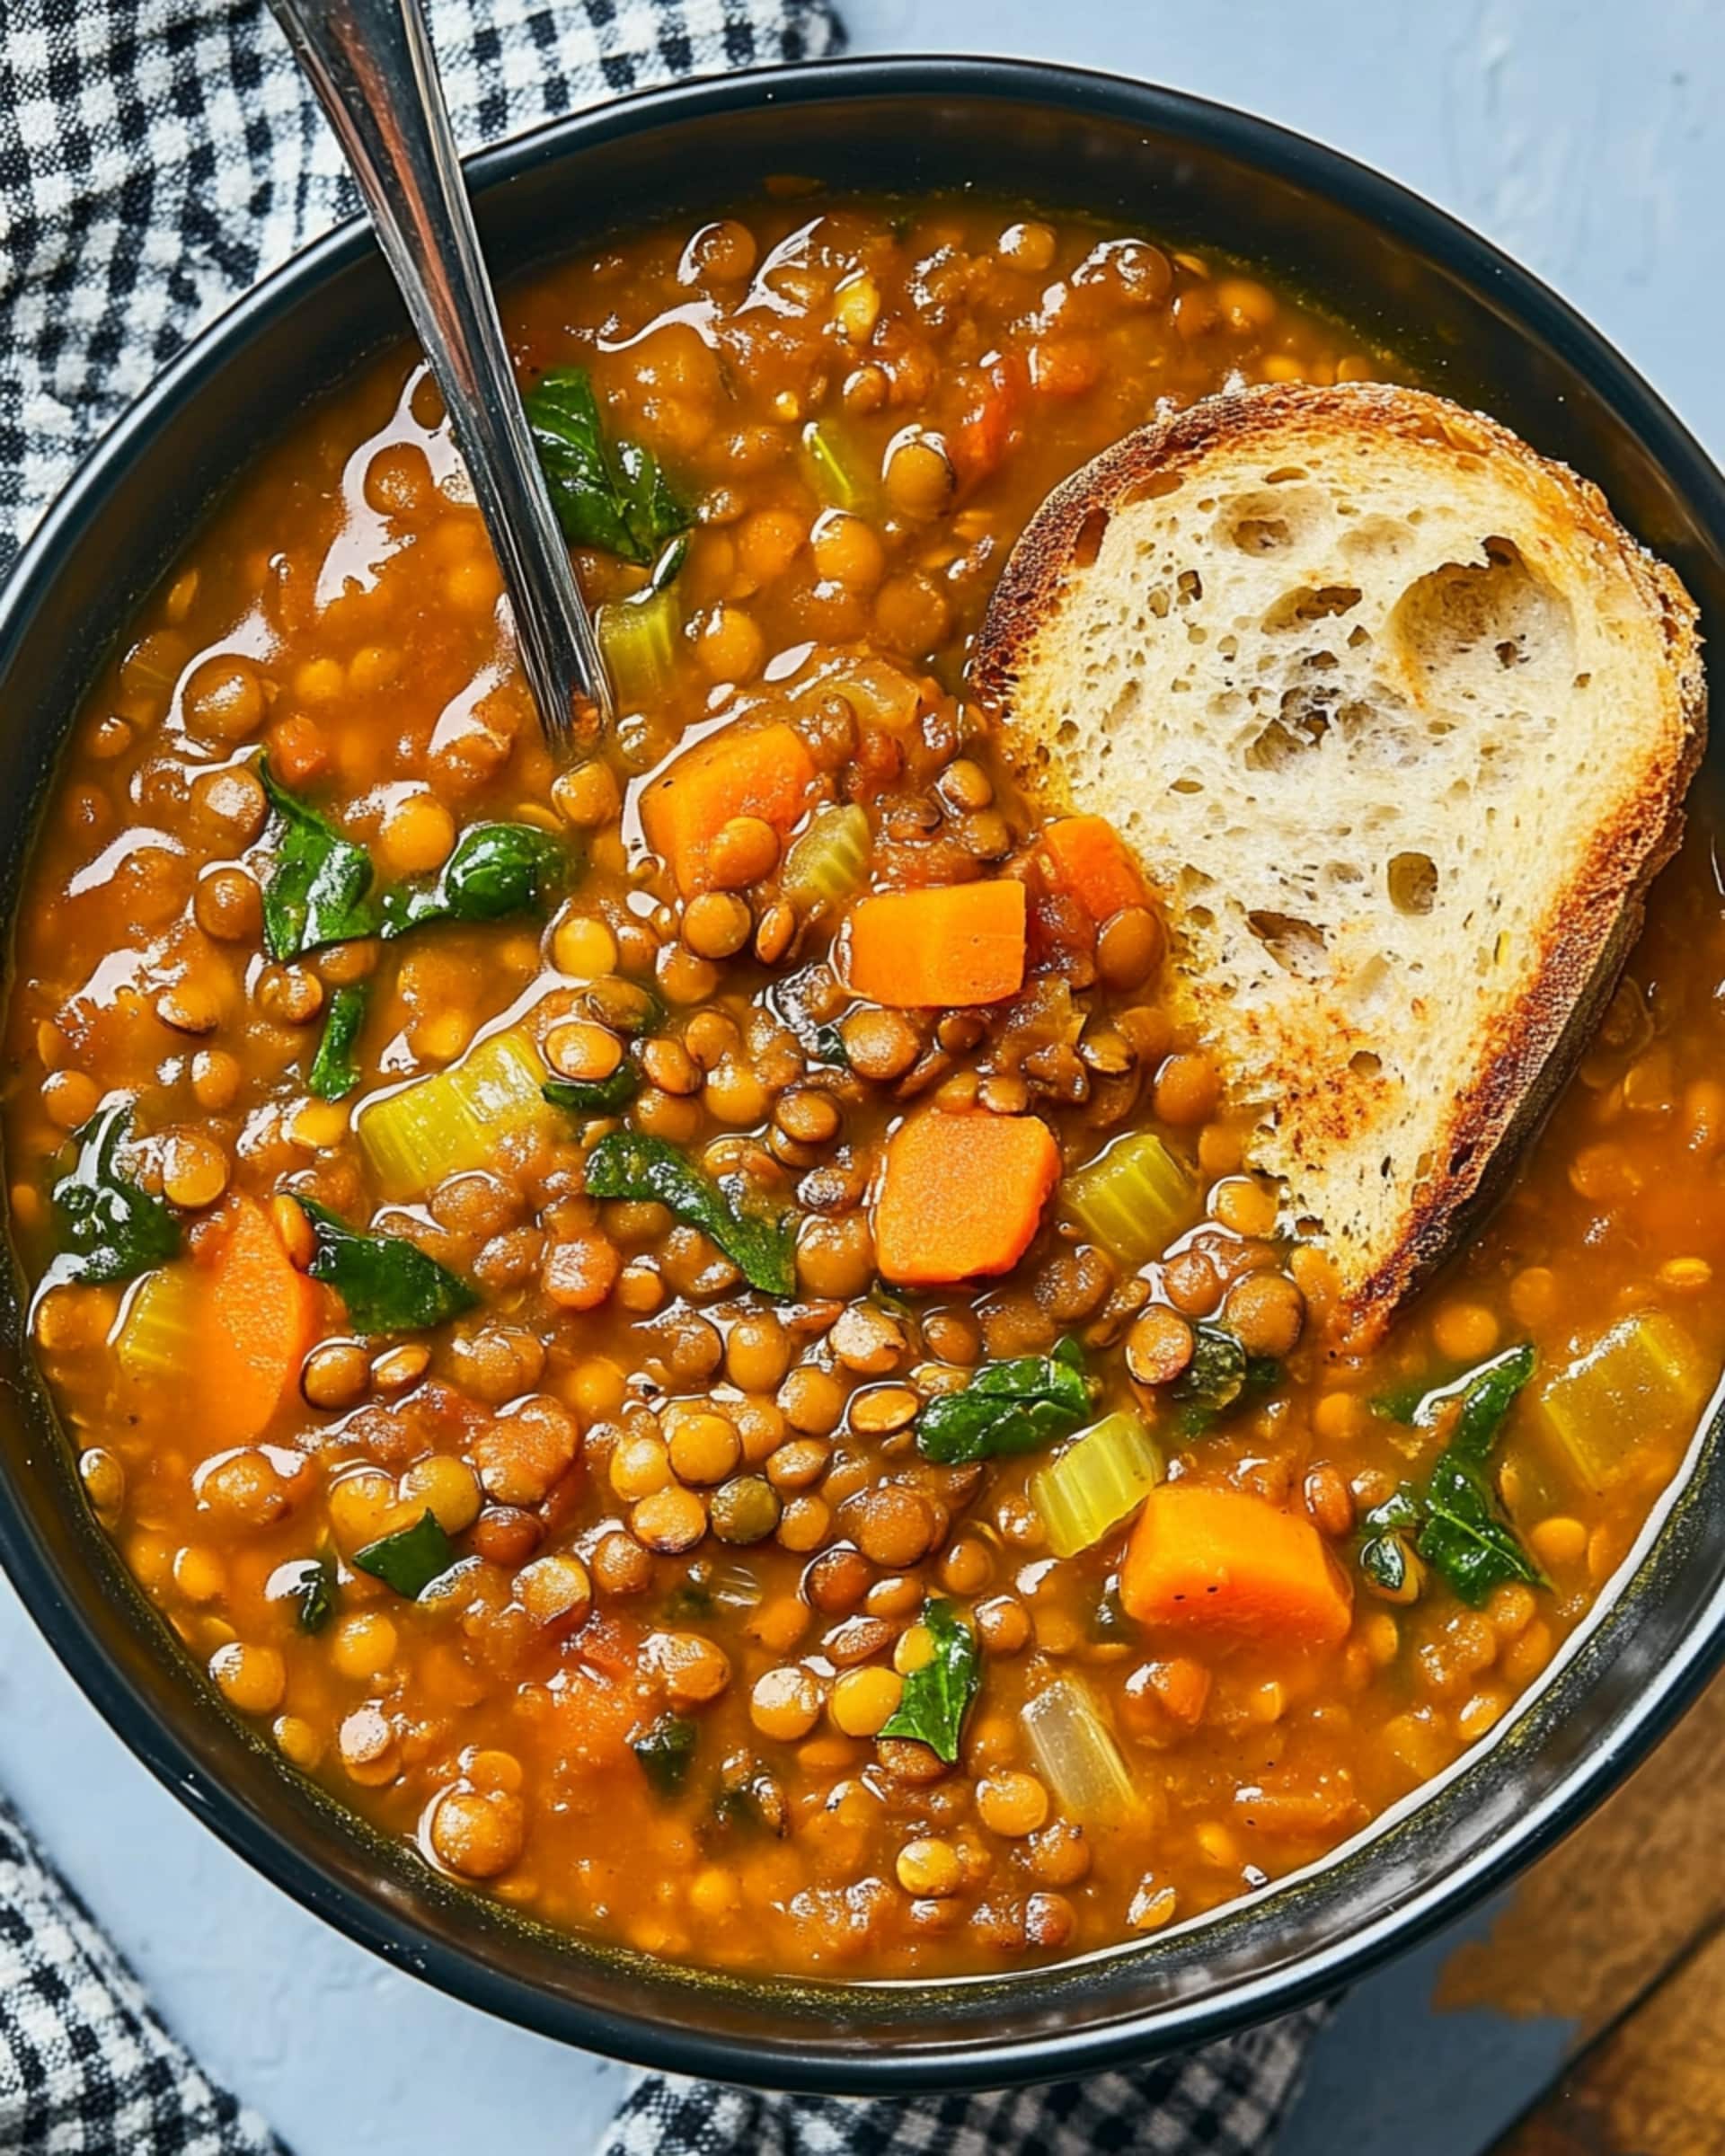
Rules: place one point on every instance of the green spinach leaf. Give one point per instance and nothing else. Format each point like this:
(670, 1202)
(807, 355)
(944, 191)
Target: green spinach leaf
(665, 1750)
(1012, 1407)
(1457, 1522)
(114, 1230)
(1385, 1556)
(1401, 1509)
(317, 892)
(1467, 1536)
(690, 1600)
(1220, 1375)
(625, 1006)
(595, 1096)
(668, 567)
(650, 1170)
(411, 1559)
(937, 1697)
(793, 1000)
(388, 1284)
(1108, 1620)
(1485, 1395)
(753, 1803)
(1389, 1564)
(334, 1073)
(495, 870)
(1402, 1399)
(606, 494)
(313, 1591)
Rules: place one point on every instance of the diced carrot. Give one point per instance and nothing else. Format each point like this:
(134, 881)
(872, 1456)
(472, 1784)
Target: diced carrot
(962, 1194)
(299, 753)
(610, 1646)
(955, 943)
(1164, 1701)
(594, 1716)
(979, 439)
(762, 770)
(1317, 1810)
(262, 1319)
(1087, 860)
(1181, 1687)
(1223, 1562)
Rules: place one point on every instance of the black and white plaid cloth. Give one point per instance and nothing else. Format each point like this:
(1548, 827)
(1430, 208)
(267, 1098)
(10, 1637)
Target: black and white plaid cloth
(1225, 2100)
(156, 158)
(85, 2067)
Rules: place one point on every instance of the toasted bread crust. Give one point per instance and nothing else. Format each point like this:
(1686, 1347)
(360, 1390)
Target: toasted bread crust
(1533, 1044)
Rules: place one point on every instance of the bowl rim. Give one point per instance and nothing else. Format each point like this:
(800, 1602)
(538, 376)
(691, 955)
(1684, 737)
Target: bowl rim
(371, 1919)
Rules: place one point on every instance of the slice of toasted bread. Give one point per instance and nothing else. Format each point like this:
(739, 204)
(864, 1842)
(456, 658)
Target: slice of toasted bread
(1399, 719)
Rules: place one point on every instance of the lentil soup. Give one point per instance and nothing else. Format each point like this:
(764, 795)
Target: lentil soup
(688, 1329)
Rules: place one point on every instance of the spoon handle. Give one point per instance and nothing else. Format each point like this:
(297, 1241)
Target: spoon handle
(371, 65)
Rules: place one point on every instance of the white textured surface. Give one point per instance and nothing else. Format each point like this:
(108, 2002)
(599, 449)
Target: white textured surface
(1589, 140)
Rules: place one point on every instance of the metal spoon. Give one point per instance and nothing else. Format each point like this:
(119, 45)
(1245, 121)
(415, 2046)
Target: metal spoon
(371, 65)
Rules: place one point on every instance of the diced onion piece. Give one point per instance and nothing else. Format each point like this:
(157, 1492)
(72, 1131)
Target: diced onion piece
(454, 1121)
(734, 1587)
(874, 690)
(1076, 1749)
(160, 1336)
(1134, 1200)
(834, 470)
(1101, 1481)
(1644, 1377)
(831, 859)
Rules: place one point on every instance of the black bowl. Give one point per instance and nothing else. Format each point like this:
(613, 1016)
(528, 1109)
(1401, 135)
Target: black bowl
(1476, 326)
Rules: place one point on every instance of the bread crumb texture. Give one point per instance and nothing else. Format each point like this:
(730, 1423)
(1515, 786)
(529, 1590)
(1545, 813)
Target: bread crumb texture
(1399, 720)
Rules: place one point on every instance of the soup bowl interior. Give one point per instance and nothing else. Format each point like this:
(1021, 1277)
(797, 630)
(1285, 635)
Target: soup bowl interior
(1469, 325)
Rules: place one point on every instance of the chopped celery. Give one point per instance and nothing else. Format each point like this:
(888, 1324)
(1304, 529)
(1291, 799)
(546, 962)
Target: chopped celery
(1132, 1200)
(1096, 1483)
(455, 1120)
(836, 470)
(500, 1080)
(159, 1337)
(638, 639)
(831, 859)
(1080, 1761)
(415, 1137)
(1644, 1377)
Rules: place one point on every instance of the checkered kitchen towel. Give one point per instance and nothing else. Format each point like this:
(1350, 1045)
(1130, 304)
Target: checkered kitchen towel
(85, 2067)
(1225, 2100)
(156, 158)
